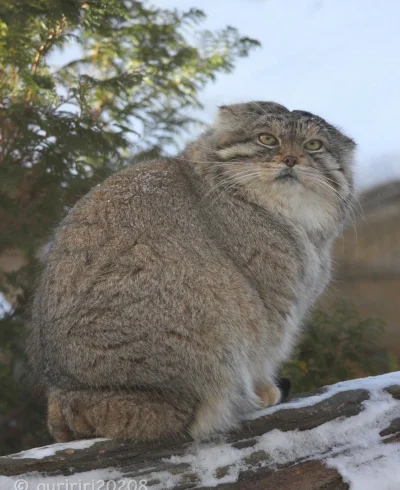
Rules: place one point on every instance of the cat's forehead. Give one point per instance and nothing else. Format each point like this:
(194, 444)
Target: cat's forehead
(292, 118)
(271, 112)
(272, 116)
(291, 122)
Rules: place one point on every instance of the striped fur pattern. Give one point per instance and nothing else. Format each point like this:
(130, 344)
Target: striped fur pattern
(172, 292)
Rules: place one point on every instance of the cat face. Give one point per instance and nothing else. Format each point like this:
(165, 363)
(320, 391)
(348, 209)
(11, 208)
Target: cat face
(294, 160)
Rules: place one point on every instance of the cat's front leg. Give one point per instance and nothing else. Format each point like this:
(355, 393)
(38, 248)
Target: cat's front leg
(272, 393)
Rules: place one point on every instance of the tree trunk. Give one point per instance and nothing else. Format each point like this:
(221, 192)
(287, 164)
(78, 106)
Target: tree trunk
(303, 444)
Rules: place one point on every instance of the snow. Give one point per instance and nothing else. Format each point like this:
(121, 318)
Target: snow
(370, 468)
(351, 445)
(369, 383)
(46, 451)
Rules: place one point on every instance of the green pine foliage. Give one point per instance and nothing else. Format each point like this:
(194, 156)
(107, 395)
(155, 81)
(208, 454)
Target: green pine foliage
(336, 346)
(127, 95)
(138, 71)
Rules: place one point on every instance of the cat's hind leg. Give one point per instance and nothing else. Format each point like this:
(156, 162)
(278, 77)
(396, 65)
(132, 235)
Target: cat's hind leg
(137, 415)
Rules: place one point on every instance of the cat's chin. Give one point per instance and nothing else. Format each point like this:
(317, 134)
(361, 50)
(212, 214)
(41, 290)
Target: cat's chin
(287, 175)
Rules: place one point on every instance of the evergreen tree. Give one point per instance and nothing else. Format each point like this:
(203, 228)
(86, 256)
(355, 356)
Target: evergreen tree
(126, 96)
(338, 345)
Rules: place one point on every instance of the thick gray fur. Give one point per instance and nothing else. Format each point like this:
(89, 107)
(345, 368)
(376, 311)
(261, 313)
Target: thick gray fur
(173, 291)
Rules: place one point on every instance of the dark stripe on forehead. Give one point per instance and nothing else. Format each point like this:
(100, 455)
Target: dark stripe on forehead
(282, 118)
(309, 117)
(328, 129)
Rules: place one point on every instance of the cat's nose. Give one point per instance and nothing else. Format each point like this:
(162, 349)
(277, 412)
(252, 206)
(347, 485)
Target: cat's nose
(290, 160)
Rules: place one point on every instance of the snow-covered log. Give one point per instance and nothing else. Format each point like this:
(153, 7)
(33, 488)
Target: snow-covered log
(343, 436)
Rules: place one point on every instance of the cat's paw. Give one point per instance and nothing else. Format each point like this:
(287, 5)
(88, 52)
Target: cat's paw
(269, 395)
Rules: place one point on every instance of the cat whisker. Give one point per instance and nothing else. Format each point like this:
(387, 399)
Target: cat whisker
(339, 198)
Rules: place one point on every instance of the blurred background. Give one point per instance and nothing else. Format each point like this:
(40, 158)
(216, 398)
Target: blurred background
(89, 87)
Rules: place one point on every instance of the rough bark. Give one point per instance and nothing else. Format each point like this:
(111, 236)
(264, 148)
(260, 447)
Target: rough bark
(139, 460)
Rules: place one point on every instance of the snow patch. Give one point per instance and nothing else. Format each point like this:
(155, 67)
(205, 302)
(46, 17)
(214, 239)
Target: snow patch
(369, 383)
(351, 445)
(370, 468)
(46, 451)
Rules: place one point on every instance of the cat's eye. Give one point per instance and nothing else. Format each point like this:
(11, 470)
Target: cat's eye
(313, 145)
(268, 139)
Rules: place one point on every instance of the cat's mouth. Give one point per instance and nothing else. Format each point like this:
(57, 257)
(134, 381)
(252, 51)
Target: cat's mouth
(288, 175)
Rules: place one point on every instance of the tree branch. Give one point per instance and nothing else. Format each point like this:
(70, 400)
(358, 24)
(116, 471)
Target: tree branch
(253, 457)
(46, 44)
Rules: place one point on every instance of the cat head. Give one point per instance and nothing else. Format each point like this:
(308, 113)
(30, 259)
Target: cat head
(293, 161)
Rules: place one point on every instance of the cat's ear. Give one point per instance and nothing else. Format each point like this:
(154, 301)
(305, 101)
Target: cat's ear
(227, 118)
(225, 108)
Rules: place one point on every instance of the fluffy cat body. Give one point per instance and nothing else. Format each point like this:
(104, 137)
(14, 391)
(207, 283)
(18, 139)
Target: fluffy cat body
(173, 291)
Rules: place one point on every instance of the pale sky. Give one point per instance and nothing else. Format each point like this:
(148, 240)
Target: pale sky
(337, 58)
